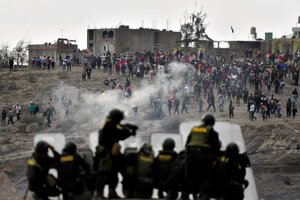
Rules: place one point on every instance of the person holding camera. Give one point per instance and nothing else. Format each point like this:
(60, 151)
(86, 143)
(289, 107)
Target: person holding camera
(107, 160)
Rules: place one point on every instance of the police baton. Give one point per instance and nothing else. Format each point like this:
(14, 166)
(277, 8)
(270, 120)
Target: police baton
(185, 164)
(26, 192)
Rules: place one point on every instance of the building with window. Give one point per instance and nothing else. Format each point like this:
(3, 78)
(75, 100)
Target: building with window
(62, 46)
(123, 39)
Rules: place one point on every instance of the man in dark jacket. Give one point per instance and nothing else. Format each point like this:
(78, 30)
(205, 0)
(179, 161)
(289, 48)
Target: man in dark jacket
(203, 147)
(70, 170)
(3, 116)
(231, 109)
(176, 105)
(107, 159)
(184, 104)
(37, 171)
(10, 116)
(11, 64)
(211, 101)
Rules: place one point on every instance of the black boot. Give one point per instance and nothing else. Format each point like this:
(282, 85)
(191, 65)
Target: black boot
(113, 195)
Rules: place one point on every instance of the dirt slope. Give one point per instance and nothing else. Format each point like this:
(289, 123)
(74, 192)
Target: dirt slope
(273, 145)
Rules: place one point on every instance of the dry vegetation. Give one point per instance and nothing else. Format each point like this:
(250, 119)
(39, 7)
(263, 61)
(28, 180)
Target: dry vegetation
(273, 146)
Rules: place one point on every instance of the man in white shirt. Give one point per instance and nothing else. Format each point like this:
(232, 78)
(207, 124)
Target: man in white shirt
(18, 111)
(252, 111)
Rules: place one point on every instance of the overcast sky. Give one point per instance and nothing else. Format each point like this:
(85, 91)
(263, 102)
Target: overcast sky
(44, 21)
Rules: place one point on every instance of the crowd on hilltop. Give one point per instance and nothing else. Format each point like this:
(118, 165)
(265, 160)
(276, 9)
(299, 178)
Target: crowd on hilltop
(258, 82)
(213, 83)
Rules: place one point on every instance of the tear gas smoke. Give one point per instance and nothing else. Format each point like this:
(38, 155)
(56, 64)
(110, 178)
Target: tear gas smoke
(87, 110)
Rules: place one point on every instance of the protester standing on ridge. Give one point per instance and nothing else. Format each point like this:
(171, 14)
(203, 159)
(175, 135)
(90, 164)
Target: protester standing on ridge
(3, 117)
(10, 115)
(231, 109)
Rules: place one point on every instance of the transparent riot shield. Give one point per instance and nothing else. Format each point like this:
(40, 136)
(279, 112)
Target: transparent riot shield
(57, 140)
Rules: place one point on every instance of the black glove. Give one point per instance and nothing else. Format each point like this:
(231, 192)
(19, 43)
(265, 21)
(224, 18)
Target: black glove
(132, 128)
(245, 183)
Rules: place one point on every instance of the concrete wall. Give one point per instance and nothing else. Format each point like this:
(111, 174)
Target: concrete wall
(134, 40)
(167, 40)
(284, 44)
(54, 50)
(42, 50)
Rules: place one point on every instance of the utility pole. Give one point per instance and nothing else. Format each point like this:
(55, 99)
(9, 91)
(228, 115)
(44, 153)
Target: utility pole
(167, 24)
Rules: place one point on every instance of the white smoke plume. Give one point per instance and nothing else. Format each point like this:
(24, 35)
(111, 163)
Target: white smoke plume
(89, 109)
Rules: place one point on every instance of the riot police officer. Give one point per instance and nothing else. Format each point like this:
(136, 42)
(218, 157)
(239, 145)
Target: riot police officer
(202, 149)
(162, 167)
(231, 172)
(108, 156)
(144, 173)
(37, 172)
(70, 171)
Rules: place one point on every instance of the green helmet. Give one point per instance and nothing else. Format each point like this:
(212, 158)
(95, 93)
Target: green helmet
(41, 147)
(116, 115)
(70, 147)
(208, 119)
(232, 150)
(168, 144)
(146, 148)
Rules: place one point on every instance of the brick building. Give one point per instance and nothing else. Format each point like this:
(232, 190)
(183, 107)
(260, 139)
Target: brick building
(124, 39)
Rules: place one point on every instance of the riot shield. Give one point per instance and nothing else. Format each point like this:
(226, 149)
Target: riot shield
(228, 132)
(57, 140)
(87, 155)
(93, 141)
(157, 140)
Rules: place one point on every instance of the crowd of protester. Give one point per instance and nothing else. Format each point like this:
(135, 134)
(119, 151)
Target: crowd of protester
(258, 82)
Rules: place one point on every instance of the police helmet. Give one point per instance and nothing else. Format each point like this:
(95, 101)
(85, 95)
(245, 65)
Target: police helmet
(70, 147)
(168, 144)
(116, 115)
(42, 147)
(232, 150)
(208, 119)
(146, 148)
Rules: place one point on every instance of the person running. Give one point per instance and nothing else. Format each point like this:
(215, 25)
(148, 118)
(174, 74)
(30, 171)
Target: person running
(231, 109)
(10, 115)
(252, 111)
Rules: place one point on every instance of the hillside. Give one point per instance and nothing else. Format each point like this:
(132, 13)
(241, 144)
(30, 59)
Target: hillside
(273, 145)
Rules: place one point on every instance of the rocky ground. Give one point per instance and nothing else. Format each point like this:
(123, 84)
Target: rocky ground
(273, 145)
